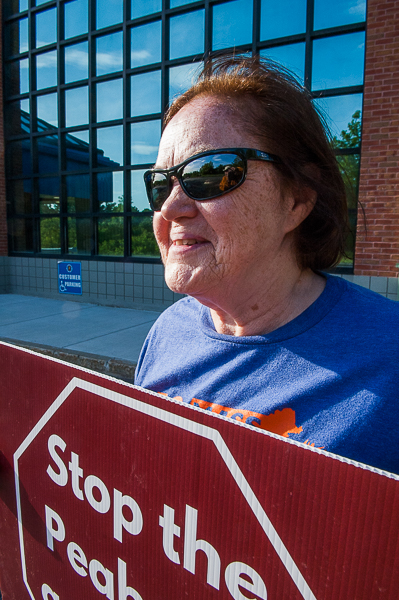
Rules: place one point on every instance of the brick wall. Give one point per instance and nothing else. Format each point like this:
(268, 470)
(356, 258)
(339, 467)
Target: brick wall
(3, 218)
(377, 249)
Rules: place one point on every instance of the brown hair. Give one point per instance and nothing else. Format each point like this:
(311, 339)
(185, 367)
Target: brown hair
(281, 114)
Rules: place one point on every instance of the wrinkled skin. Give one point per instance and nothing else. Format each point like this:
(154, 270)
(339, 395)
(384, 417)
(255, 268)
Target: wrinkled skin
(234, 253)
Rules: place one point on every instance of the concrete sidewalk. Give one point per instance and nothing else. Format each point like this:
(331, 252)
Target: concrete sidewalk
(100, 338)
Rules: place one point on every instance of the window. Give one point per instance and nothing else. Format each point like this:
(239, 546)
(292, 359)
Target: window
(85, 92)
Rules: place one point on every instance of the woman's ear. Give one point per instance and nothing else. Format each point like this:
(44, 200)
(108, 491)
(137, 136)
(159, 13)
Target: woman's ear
(301, 198)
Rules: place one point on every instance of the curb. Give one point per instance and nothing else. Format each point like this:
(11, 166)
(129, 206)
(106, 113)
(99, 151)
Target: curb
(115, 367)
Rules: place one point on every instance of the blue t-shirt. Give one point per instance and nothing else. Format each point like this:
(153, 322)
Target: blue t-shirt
(328, 378)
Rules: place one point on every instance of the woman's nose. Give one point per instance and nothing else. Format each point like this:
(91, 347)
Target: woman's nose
(178, 204)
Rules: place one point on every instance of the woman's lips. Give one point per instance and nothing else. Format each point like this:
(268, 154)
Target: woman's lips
(186, 242)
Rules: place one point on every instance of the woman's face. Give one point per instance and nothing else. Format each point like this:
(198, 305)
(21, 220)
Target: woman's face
(217, 247)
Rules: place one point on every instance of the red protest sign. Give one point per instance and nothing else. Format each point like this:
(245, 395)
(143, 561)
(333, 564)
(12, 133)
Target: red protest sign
(111, 491)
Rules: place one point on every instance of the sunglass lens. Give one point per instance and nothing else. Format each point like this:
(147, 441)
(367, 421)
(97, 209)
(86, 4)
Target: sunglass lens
(211, 176)
(159, 186)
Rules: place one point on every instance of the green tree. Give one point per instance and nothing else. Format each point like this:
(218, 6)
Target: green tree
(349, 165)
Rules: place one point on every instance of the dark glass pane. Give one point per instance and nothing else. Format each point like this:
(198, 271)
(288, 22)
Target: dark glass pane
(46, 27)
(339, 12)
(17, 117)
(143, 240)
(46, 70)
(16, 38)
(110, 236)
(279, 19)
(146, 44)
(47, 151)
(19, 196)
(108, 12)
(17, 77)
(76, 18)
(12, 7)
(145, 93)
(145, 7)
(18, 158)
(145, 141)
(232, 24)
(110, 191)
(110, 100)
(47, 111)
(76, 147)
(139, 199)
(338, 61)
(21, 235)
(339, 113)
(50, 235)
(181, 78)
(76, 62)
(187, 34)
(49, 195)
(77, 106)
(109, 53)
(78, 193)
(110, 146)
(291, 56)
(79, 237)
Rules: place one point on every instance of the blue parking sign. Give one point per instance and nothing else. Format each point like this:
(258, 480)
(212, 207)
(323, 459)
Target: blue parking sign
(70, 277)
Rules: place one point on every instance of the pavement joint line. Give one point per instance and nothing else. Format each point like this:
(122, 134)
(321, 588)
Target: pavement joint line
(44, 317)
(97, 337)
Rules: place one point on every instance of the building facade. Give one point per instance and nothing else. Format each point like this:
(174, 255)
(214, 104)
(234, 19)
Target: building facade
(84, 87)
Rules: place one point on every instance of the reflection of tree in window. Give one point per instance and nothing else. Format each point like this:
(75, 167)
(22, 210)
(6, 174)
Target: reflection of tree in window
(50, 235)
(349, 166)
(143, 241)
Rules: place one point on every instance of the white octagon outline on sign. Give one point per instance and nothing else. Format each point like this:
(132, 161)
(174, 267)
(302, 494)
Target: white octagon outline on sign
(182, 423)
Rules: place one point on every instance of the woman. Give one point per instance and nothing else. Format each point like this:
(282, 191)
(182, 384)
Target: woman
(263, 336)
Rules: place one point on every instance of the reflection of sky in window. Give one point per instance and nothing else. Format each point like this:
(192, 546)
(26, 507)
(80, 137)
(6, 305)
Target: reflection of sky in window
(291, 56)
(232, 24)
(77, 106)
(46, 27)
(109, 55)
(110, 140)
(24, 75)
(139, 195)
(23, 35)
(145, 141)
(23, 5)
(278, 19)
(39, 2)
(145, 7)
(81, 135)
(76, 18)
(47, 108)
(110, 100)
(108, 12)
(145, 93)
(187, 34)
(338, 61)
(146, 44)
(339, 12)
(181, 78)
(46, 70)
(338, 110)
(76, 62)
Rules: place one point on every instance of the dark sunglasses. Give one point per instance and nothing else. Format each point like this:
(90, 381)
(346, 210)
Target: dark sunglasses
(203, 176)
